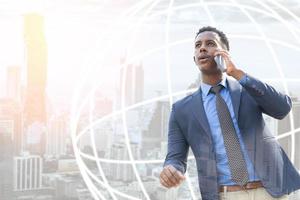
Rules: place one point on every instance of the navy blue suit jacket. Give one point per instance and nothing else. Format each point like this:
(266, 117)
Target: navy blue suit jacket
(188, 127)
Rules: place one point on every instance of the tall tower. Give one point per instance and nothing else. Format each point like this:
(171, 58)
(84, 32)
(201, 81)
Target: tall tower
(57, 135)
(157, 129)
(36, 60)
(132, 75)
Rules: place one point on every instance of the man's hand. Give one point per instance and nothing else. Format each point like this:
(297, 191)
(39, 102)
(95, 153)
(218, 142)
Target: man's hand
(171, 177)
(231, 69)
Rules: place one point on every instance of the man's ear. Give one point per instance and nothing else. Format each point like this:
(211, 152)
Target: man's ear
(194, 59)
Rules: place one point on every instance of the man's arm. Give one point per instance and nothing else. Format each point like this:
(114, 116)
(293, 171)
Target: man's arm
(271, 102)
(176, 159)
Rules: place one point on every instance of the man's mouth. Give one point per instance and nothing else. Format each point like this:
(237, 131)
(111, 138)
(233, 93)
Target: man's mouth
(203, 58)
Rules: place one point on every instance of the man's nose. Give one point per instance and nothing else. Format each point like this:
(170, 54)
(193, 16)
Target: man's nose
(203, 48)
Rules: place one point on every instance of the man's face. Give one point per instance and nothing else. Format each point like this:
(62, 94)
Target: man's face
(206, 44)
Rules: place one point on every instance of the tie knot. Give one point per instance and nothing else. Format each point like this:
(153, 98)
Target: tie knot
(216, 89)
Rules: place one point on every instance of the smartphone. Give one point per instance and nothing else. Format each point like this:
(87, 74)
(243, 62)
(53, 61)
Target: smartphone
(220, 62)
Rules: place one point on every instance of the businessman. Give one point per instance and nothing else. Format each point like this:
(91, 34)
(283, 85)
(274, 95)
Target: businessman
(236, 156)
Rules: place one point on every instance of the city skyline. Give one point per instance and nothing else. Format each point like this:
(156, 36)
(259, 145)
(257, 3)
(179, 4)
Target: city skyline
(100, 133)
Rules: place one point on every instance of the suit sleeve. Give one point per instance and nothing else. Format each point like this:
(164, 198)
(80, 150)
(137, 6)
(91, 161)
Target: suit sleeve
(177, 145)
(271, 102)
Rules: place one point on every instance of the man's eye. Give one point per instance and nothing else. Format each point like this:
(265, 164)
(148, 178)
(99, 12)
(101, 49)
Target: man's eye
(211, 44)
(197, 45)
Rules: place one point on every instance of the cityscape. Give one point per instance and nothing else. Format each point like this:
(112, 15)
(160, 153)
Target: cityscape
(106, 137)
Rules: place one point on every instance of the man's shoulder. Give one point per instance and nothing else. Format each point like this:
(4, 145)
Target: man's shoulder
(185, 100)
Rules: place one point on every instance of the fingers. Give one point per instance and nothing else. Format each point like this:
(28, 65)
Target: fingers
(228, 59)
(231, 68)
(165, 182)
(225, 54)
(167, 178)
(177, 174)
(171, 177)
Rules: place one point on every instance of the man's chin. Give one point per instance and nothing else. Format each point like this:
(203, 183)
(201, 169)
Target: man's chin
(210, 71)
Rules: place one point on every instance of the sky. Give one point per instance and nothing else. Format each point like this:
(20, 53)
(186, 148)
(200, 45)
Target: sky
(86, 40)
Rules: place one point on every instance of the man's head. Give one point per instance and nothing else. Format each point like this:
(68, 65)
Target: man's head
(207, 41)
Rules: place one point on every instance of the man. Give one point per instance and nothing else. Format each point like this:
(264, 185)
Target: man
(222, 122)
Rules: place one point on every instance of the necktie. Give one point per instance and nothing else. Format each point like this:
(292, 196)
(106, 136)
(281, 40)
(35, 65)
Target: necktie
(236, 161)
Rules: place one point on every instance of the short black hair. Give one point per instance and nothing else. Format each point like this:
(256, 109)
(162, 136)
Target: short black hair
(222, 35)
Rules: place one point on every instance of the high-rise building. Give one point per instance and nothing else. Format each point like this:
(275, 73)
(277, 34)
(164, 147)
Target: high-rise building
(158, 126)
(103, 135)
(10, 125)
(36, 64)
(123, 172)
(132, 78)
(57, 132)
(27, 172)
(6, 137)
(13, 83)
(10, 144)
(66, 187)
(6, 150)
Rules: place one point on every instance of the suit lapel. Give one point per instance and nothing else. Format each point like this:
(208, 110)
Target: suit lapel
(199, 112)
(235, 90)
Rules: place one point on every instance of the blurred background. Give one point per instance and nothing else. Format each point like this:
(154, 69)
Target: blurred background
(86, 88)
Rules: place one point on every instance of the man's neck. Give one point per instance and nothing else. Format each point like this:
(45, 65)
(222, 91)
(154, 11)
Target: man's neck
(212, 79)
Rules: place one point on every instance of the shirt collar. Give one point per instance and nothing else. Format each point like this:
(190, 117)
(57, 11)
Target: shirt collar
(206, 87)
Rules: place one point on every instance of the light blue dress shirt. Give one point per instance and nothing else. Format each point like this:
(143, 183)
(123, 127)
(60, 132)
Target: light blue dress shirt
(209, 103)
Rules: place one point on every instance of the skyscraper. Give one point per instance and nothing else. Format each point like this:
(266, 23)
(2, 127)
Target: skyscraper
(6, 150)
(27, 172)
(158, 127)
(36, 64)
(10, 144)
(10, 127)
(123, 172)
(132, 78)
(56, 135)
